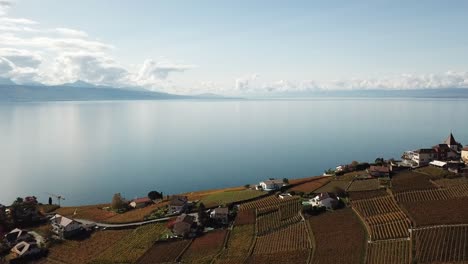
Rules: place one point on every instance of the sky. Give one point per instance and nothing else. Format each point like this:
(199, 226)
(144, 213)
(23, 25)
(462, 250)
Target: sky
(236, 47)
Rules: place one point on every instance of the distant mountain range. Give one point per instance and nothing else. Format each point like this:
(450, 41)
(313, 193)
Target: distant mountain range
(83, 91)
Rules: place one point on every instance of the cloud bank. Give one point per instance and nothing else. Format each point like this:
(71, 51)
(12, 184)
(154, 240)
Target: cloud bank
(31, 53)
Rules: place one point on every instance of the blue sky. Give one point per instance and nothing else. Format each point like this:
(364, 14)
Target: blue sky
(233, 47)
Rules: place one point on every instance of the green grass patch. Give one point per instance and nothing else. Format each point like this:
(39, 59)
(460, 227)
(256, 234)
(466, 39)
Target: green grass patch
(223, 198)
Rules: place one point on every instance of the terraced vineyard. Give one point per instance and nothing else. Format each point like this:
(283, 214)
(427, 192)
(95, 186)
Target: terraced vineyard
(341, 230)
(384, 218)
(364, 185)
(238, 246)
(296, 257)
(389, 252)
(433, 194)
(447, 244)
(291, 238)
(203, 249)
(265, 203)
(164, 252)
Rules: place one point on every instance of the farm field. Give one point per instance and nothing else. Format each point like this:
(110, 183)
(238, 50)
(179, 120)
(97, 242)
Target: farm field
(367, 194)
(227, 197)
(88, 212)
(339, 229)
(311, 185)
(389, 252)
(164, 252)
(132, 246)
(384, 218)
(265, 204)
(245, 217)
(299, 257)
(134, 215)
(433, 194)
(77, 252)
(434, 172)
(203, 249)
(410, 181)
(451, 182)
(291, 238)
(334, 186)
(364, 185)
(450, 211)
(442, 244)
(238, 246)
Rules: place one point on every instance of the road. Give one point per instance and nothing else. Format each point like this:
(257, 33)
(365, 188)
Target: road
(127, 225)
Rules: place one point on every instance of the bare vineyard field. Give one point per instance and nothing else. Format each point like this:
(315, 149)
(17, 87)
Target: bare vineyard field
(367, 194)
(442, 245)
(245, 217)
(383, 217)
(334, 186)
(451, 182)
(389, 252)
(438, 212)
(267, 202)
(203, 249)
(238, 246)
(364, 185)
(433, 194)
(296, 257)
(311, 186)
(410, 181)
(291, 238)
(164, 252)
(339, 229)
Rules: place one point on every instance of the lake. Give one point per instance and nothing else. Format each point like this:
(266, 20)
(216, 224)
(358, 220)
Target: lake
(87, 151)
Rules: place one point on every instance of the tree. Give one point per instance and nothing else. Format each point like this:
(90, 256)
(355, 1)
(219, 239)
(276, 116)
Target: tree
(50, 200)
(286, 180)
(379, 161)
(203, 217)
(118, 203)
(247, 186)
(154, 195)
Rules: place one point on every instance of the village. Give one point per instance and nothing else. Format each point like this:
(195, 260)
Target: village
(275, 217)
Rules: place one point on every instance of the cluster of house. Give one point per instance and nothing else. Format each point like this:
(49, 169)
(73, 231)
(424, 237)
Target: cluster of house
(325, 199)
(187, 225)
(271, 185)
(450, 154)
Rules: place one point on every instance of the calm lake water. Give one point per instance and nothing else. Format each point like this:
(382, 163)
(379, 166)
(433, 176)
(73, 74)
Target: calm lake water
(87, 151)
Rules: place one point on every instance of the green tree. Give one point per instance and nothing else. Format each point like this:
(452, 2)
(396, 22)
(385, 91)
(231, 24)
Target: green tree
(118, 203)
(203, 217)
(286, 180)
(154, 195)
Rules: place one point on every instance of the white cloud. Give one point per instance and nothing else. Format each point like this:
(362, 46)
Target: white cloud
(71, 32)
(4, 6)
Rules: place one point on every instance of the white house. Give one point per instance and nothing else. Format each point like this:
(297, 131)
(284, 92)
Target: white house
(271, 185)
(420, 157)
(220, 214)
(464, 154)
(438, 163)
(329, 200)
(65, 227)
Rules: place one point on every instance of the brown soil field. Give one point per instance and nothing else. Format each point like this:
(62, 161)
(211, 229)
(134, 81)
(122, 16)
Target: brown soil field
(264, 203)
(245, 217)
(238, 246)
(364, 185)
(311, 185)
(410, 180)
(334, 186)
(340, 229)
(304, 180)
(89, 212)
(164, 252)
(203, 249)
(134, 245)
(134, 215)
(291, 238)
(367, 194)
(442, 244)
(84, 251)
(389, 252)
(424, 213)
(451, 182)
(299, 257)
